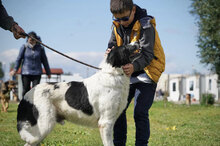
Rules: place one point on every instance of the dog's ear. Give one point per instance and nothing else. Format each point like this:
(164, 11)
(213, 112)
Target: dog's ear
(119, 56)
(131, 48)
(7, 83)
(134, 52)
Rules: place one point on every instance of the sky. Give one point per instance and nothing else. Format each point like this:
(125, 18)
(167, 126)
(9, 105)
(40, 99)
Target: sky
(81, 29)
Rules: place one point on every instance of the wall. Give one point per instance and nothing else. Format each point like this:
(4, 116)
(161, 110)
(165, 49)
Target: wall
(212, 86)
(192, 86)
(174, 90)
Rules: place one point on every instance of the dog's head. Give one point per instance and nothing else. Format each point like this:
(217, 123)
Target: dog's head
(9, 85)
(120, 56)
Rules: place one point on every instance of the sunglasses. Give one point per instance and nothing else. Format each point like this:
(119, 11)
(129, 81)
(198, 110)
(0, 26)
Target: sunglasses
(126, 18)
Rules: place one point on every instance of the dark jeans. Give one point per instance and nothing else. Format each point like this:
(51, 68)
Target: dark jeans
(26, 82)
(143, 94)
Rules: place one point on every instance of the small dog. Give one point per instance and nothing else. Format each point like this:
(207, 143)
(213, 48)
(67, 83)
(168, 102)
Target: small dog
(6, 87)
(96, 101)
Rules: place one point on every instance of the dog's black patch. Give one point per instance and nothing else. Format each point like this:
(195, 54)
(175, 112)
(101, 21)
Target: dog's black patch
(26, 112)
(120, 56)
(77, 97)
(45, 92)
(56, 87)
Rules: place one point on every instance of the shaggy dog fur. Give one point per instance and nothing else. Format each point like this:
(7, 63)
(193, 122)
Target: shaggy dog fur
(96, 101)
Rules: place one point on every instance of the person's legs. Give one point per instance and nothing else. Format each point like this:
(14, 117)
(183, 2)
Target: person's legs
(120, 127)
(36, 80)
(144, 97)
(26, 83)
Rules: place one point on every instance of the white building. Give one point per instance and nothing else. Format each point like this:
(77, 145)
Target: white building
(195, 85)
(177, 88)
(211, 82)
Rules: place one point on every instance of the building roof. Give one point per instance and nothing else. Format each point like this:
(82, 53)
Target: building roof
(54, 71)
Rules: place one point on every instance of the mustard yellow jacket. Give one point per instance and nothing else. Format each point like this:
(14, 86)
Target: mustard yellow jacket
(142, 31)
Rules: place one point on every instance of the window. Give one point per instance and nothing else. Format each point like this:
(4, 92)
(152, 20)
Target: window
(174, 86)
(210, 84)
(191, 85)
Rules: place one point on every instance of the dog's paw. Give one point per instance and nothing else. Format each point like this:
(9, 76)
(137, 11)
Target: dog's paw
(27, 144)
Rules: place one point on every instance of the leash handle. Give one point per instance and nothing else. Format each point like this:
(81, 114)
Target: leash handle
(25, 34)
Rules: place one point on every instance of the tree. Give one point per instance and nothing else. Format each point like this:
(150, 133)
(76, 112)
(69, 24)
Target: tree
(207, 14)
(1, 71)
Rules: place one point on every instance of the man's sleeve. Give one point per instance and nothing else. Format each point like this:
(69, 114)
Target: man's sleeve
(112, 42)
(19, 58)
(146, 42)
(6, 21)
(45, 62)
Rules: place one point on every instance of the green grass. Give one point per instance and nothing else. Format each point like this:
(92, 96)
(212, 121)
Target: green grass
(192, 126)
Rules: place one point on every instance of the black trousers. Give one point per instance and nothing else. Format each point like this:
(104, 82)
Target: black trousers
(143, 94)
(26, 82)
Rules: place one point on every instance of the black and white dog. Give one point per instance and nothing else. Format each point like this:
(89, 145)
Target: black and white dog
(96, 101)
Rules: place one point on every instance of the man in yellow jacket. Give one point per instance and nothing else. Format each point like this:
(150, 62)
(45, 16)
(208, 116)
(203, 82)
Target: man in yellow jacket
(132, 25)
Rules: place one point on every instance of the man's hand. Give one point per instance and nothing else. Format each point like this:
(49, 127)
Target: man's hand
(108, 51)
(128, 69)
(17, 31)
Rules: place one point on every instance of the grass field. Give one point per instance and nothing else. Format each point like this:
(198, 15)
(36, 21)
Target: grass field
(173, 125)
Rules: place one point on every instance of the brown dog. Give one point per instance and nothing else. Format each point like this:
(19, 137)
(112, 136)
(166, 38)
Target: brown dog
(6, 87)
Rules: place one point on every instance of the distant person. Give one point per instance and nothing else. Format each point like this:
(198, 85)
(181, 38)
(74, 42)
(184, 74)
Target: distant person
(8, 23)
(160, 93)
(30, 57)
(132, 25)
(188, 99)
